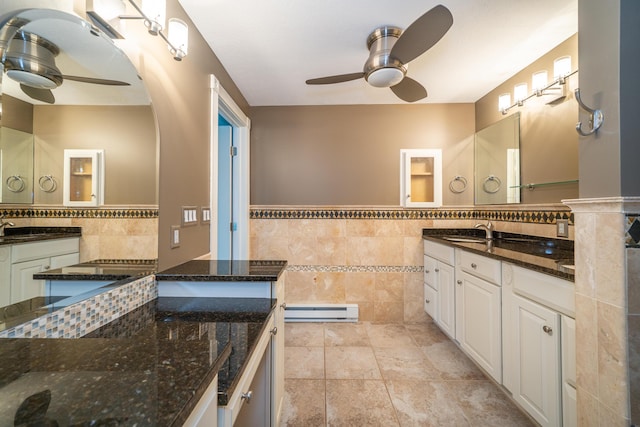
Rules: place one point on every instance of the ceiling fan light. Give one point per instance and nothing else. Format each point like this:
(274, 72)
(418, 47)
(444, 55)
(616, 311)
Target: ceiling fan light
(30, 79)
(385, 77)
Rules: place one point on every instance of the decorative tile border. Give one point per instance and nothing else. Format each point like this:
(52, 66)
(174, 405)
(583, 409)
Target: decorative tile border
(632, 231)
(528, 216)
(77, 320)
(118, 213)
(356, 268)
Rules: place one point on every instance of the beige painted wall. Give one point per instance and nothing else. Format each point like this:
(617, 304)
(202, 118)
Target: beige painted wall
(548, 140)
(126, 133)
(350, 155)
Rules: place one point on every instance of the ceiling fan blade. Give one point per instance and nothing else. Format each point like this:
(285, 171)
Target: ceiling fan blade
(44, 95)
(96, 81)
(422, 34)
(409, 90)
(335, 79)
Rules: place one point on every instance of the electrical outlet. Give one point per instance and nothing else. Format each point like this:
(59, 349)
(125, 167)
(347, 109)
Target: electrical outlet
(562, 228)
(175, 236)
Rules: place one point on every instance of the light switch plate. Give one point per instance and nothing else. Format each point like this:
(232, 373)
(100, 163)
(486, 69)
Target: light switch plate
(189, 215)
(562, 228)
(175, 237)
(205, 217)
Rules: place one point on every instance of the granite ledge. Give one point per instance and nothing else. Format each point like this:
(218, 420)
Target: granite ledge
(225, 271)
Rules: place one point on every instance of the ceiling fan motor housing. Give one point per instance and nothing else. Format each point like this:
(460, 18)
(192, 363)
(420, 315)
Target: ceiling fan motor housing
(30, 60)
(382, 70)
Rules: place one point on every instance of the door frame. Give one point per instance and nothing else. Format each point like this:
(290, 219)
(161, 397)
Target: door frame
(222, 104)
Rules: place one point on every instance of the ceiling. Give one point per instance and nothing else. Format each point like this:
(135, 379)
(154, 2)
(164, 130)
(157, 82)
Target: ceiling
(270, 48)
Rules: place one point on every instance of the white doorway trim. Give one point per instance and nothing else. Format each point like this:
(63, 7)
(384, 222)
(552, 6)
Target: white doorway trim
(222, 104)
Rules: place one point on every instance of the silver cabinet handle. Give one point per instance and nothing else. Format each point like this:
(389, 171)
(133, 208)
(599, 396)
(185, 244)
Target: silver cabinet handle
(547, 329)
(274, 331)
(459, 282)
(474, 265)
(247, 396)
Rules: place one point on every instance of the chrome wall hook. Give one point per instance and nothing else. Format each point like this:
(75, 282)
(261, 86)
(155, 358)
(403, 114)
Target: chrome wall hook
(595, 117)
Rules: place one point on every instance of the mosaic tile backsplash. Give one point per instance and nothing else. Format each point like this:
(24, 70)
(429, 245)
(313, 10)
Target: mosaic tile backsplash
(77, 320)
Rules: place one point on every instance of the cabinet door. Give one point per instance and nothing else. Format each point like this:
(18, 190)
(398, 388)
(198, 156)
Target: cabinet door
(480, 328)
(421, 178)
(430, 301)
(537, 355)
(446, 299)
(23, 285)
(83, 177)
(277, 373)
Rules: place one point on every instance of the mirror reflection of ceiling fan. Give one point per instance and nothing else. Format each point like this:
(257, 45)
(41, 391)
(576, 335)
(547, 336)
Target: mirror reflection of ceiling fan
(30, 60)
(391, 49)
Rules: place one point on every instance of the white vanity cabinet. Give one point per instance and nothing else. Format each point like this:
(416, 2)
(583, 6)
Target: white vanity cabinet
(30, 258)
(5, 275)
(439, 285)
(534, 369)
(478, 310)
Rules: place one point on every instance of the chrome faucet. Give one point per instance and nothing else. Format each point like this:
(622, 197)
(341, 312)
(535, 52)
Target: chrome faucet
(3, 224)
(488, 228)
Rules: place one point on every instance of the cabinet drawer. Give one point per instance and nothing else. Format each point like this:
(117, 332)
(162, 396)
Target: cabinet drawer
(430, 303)
(44, 249)
(440, 252)
(430, 266)
(480, 266)
(550, 291)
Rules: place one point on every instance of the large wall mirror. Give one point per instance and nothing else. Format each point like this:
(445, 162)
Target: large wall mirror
(497, 162)
(96, 100)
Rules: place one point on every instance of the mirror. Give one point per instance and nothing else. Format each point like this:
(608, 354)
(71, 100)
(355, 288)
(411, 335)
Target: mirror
(16, 166)
(497, 162)
(78, 112)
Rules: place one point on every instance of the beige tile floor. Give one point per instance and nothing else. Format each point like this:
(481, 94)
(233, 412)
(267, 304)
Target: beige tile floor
(366, 374)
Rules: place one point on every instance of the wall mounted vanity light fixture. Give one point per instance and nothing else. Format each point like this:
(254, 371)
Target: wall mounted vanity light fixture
(153, 13)
(553, 91)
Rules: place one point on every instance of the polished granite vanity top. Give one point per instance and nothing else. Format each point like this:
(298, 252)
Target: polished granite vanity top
(224, 270)
(147, 368)
(15, 235)
(102, 269)
(546, 255)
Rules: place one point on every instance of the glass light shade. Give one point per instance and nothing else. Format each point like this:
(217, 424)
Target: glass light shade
(156, 10)
(520, 92)
(561, 67)
(504, 101)
(539, 80)
(109, 9)
(178, 35)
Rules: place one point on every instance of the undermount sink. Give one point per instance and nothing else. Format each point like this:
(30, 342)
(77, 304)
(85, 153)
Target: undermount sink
(465, 239)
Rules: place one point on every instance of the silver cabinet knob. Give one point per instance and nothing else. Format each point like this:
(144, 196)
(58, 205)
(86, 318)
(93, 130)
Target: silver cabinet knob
(247, 396)
(427, 301)
(427, 271)
(547, 329)
(459, 282)
(283, 305)
(437, 270)
(274, 331)
(474, 265)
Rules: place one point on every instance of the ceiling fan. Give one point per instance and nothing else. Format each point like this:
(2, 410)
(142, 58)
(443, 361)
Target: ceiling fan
(30, 60)
(391, 49)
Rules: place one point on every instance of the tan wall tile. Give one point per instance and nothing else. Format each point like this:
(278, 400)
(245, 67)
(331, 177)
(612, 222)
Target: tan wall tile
(389, 287)
(388, 311)
(587, 408)
(633, 280)
(609, 267)
(359, 287)
(586, 344)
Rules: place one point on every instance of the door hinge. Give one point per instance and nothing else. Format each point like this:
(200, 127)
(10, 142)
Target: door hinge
(233, 151)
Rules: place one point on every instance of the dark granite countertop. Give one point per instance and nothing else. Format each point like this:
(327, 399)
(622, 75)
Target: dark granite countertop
(15, 235)
(147, 368)
(105, 269)
(224, 271)
(545, 255)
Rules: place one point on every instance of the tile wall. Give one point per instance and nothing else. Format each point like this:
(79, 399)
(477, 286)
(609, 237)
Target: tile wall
(372, 256)
(107, 233)
(607, 258)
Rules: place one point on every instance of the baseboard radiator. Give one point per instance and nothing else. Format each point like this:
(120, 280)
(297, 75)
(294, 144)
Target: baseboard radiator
(321, 313)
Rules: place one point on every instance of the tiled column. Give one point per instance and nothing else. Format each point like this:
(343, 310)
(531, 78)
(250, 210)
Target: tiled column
(602, 309)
